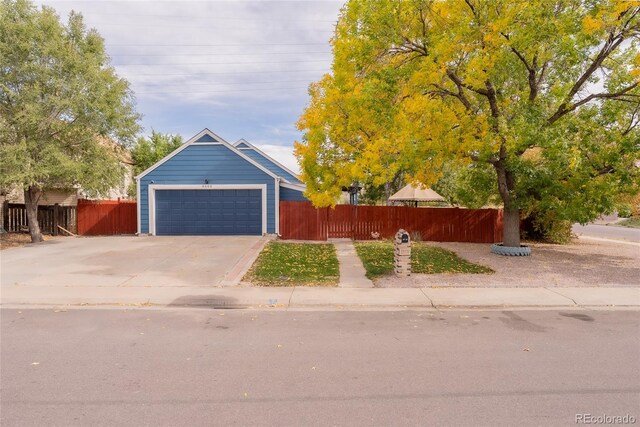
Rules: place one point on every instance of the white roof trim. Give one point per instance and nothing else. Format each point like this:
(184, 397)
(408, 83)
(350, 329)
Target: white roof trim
(253, 147)
(296, 187)
(199, 135)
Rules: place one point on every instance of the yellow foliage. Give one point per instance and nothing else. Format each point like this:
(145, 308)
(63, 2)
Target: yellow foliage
(409, 83)
(593, 24)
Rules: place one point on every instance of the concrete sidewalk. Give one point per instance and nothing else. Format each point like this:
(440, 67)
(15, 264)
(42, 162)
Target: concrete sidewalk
(332, 298)
(352, 272)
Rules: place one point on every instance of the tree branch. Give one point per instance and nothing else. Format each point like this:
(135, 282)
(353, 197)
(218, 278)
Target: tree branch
(458, 81)
(532, 69)
(518, 54)
(633, 122)
(459, 95)
(409, 46)
(616, 96)
(493, 100)
(473, 9)
(607, 49)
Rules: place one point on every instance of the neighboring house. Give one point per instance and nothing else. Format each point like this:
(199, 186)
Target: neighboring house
(69, 196)
(50, 196)
(210, 187)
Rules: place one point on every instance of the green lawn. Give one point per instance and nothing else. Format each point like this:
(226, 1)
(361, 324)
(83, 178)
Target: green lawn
(377, 258)
(290, 264)
(633, 222)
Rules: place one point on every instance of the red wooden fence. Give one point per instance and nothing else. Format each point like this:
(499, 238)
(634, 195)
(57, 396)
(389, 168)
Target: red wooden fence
(300, 220)
(107, 217)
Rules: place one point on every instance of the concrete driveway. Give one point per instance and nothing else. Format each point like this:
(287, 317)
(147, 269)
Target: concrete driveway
(128, 261)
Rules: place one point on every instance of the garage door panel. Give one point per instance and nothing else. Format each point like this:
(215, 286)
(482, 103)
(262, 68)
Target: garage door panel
(208, 212)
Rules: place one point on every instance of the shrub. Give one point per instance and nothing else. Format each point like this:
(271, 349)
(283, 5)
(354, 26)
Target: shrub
(624, 211)
(546, 227)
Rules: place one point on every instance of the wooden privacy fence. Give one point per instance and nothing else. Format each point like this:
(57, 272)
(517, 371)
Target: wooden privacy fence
(107, 217)
(14, 218)
(300, 220)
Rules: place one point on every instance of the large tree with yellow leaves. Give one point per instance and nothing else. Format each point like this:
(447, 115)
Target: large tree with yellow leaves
(544, 94)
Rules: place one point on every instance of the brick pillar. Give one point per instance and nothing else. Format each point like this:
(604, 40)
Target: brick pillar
(402, 254)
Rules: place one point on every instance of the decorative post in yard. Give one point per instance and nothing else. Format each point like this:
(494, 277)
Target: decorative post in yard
(402, 254)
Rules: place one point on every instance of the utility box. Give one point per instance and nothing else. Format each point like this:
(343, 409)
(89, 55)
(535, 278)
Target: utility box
(402, 254)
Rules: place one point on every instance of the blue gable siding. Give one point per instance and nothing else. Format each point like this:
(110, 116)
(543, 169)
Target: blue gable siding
(270, 165)
(216, 163)
(289, 195)
(242, 145)
(206, 138)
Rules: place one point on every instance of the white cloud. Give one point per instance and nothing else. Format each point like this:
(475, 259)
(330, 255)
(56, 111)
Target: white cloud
(282, 154)
(239, 68)
(211, 51)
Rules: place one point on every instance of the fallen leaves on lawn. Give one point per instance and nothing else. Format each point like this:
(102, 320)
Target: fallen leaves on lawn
(284, 264)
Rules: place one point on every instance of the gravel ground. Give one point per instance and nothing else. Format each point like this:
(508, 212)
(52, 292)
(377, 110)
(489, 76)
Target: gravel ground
(583, 263)
(14, 240)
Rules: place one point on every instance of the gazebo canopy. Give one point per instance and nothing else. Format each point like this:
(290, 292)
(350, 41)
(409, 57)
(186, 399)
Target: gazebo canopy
(409, 193)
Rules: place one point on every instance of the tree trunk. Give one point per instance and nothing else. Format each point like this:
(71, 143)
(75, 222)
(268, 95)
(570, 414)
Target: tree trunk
(511, 227)
(387, 193)
(31, 196)
(511, 219)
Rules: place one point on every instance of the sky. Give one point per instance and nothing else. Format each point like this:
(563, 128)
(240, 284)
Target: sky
(239, 68)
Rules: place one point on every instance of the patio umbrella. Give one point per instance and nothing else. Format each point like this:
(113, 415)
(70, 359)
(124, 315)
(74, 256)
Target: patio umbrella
(409, 193)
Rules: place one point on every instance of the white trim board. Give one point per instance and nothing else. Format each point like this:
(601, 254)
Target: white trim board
(257, 150)
(277, 201)
(221, 142)
(155, 187)
(296, 187)
(139, 207)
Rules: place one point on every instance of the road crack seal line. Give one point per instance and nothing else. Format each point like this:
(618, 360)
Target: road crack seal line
(290, 297)
(430, 300)
(558, 293)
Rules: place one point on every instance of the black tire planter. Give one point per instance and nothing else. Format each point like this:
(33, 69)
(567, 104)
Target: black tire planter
(499, 249)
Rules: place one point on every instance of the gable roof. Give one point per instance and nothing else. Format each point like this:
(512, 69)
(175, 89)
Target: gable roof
(243, 144)
(203, 137)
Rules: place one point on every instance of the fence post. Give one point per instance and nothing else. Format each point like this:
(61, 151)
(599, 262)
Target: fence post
(5, 216)
(354, 218)
(56, 218)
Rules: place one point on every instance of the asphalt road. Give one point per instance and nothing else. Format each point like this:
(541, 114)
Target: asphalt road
(108, 367)
(608, 232)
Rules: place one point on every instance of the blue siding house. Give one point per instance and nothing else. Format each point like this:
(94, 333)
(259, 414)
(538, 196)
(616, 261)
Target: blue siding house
(210, 187)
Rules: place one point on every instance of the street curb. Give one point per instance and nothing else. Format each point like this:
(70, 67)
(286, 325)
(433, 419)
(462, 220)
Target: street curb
(325, 298)
(318, 307)
(602, 239)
